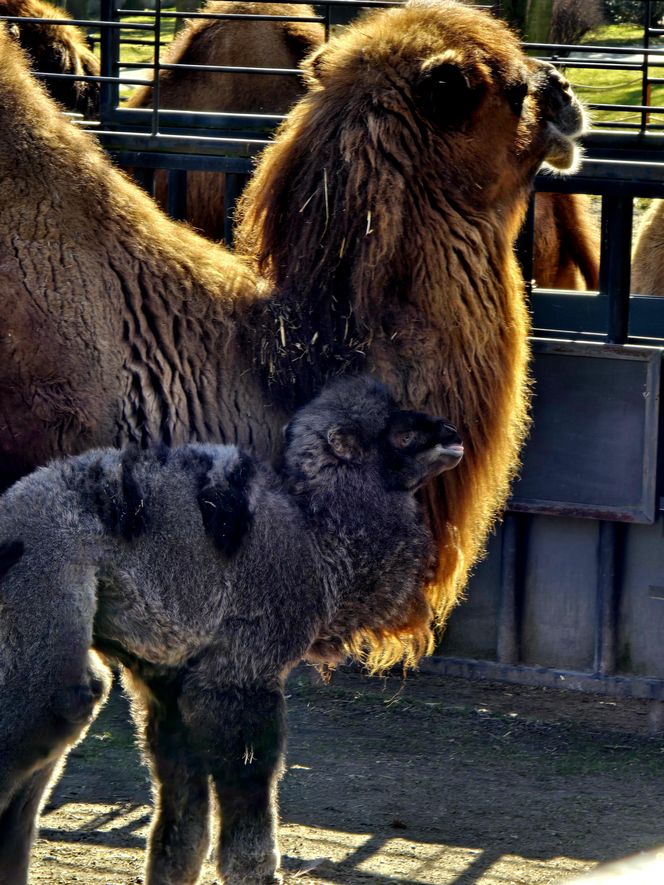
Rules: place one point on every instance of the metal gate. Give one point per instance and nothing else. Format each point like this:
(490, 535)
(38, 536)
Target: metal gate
(572, 590)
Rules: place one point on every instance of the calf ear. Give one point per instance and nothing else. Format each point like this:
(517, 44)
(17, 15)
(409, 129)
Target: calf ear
(344, 443)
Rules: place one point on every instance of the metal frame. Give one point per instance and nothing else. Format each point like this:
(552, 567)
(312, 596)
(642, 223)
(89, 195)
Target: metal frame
(644, 510)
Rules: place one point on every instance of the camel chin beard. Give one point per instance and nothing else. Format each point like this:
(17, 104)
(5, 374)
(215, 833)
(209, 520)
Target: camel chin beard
(564, 153)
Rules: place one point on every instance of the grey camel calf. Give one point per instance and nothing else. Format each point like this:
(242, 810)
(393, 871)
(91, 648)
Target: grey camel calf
(207, 575)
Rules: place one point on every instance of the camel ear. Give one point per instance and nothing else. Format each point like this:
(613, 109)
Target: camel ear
(344, 443)
(444, 94)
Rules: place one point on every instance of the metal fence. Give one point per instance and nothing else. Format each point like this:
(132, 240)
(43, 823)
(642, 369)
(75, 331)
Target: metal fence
(572, 591)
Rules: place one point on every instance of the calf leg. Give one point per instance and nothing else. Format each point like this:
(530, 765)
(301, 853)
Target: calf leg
(50, 686)
(18, 824)
(179, 836)
(31, 762)
(240, 733)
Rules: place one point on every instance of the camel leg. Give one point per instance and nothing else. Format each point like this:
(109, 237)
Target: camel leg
(18, 823)
(179, 836)
(240, 732)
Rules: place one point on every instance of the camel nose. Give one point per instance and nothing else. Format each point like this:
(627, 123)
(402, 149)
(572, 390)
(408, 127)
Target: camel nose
(446, 432)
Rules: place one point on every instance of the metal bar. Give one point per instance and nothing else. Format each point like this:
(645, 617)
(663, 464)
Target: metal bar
(235, 184)
(509, 610)
(156, 85)
(188, 161)
(615, 264)
(176, 205)
(348, 4)
(89, 78)
(631, 108)
(589, 47)
(198, 119)
(144, 178)
(77, 22)
(218, 69)
(609, 546)
(615, 283)
(645, 88)
(525, 244)
(229, 16)
(109, 52)
(611, 686)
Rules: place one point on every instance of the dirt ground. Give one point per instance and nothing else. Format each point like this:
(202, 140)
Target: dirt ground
(434, 780)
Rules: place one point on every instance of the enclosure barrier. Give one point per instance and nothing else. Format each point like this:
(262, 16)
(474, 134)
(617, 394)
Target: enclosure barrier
(572, 591)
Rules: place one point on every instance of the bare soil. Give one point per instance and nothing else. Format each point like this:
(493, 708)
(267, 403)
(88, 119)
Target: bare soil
(433, 780)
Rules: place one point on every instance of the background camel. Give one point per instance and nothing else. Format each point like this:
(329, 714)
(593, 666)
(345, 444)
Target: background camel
(648, 256)
(566, 245)
(378, 232)
(271, 44)
(56, 49)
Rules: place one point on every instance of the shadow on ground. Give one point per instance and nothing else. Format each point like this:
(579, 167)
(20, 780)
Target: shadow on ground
(431, 781)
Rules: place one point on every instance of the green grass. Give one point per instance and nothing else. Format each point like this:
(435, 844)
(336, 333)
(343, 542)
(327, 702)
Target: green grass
(599, 86)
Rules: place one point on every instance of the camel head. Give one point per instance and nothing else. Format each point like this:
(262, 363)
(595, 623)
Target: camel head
(476, 108)
(432, 101)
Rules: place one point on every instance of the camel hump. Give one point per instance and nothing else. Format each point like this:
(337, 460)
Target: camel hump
(223, 497)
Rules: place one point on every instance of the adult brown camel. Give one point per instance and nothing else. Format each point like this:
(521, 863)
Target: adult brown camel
(56, 49)
(378, 233)
(273, 44)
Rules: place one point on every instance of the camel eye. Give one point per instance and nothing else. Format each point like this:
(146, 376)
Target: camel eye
(401, 439)
(445, 95)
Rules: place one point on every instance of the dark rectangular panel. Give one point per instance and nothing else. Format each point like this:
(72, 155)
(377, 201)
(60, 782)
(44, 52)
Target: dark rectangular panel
(592, 451)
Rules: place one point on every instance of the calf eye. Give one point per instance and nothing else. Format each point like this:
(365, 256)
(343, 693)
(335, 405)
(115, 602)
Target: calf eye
(403, 438)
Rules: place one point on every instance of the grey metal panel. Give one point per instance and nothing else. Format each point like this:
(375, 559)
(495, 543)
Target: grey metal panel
(641, 620)
(558, 614)
(593, 448)
(473, 627)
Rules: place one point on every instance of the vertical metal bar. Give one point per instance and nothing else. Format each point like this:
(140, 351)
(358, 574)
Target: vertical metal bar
(525, 245)
(617, 213)
(109, 50)
(508, 646)
(615, 270)
(235, 184)
(177, 194)
(609, 548)
(327, 22)
(645, 82)
(145, 179)
(156, 86)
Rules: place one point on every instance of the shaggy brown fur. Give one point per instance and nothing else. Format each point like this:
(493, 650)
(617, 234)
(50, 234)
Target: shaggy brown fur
(648, 257)
(233, 43)
(566, 248)
(383, 219)
(56, 49)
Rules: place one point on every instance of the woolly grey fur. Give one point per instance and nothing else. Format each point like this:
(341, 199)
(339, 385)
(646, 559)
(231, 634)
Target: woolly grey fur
(207, 575)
